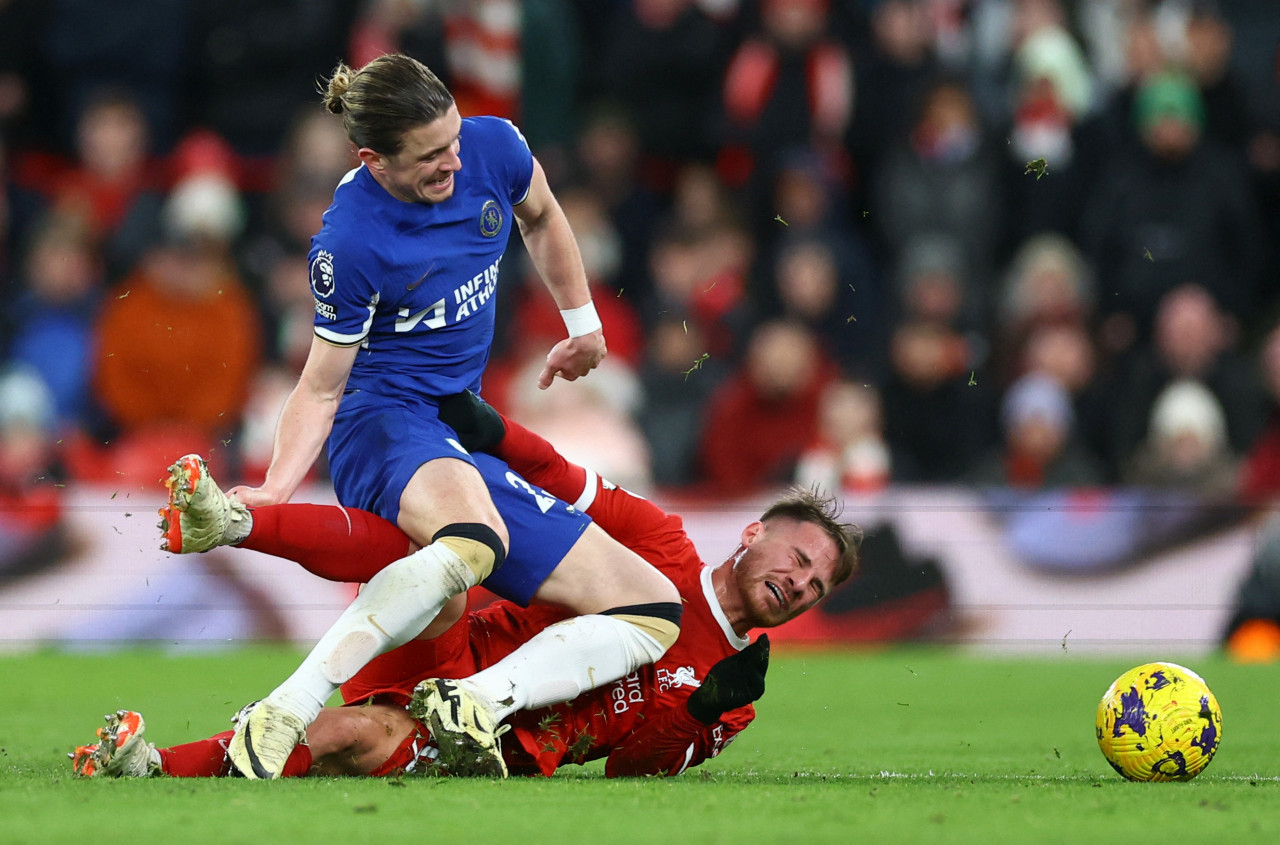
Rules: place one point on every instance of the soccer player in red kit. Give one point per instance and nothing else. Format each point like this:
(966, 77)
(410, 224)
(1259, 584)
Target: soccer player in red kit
(661, 719)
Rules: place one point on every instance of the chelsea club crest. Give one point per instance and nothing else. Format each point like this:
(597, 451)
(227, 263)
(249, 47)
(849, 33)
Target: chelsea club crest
(490, 219)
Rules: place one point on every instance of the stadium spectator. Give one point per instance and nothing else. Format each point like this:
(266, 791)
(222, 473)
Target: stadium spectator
(812, 291)
(1179, 209)
(700, 277)
(483, 48)
(315, 156)
(1045, 323)
(789, 85)
(892, 76)
(1193, 340)
(678, 378)
(661, 720)
(153, 334)
(34, 531)
(940, 412)
(944, 181)
(1204, 46)
(1186, 446)
(933, 285)
(1052, 91)
(396, 26)
(593, 423)
(24, 116)
(1110, 131)
(1066, 352)
(811, 217)
(112, 183)
(1047, 282)
(529, 322)
(850, 454)
(661, 60)
(758, 421)
(1040, 449)
(55, 313)
(608, 160)
(535, 318)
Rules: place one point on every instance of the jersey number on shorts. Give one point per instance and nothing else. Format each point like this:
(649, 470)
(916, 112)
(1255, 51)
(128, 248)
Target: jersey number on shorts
(544, 500)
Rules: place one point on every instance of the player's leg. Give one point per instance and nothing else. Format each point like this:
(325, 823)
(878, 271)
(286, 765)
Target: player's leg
(336, 543)
(120, 750)
(445, 496)
(631, 616)
(561, 558)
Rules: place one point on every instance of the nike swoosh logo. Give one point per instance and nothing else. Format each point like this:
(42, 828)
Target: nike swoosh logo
(374, 623)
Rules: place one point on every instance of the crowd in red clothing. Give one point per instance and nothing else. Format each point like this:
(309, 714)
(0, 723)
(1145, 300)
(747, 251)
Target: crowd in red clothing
(892, 241)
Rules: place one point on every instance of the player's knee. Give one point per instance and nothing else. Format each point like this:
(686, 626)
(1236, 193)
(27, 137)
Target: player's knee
(479, 546)
(659, 621)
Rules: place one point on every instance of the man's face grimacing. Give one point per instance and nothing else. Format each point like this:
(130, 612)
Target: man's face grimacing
(423, 169)
(783, 569)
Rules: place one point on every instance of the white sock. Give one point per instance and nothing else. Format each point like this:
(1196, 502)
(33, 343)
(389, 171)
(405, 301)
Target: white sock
(563, 661)
(393, 608)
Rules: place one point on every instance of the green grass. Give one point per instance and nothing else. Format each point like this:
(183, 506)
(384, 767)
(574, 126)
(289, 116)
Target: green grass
(890, 746)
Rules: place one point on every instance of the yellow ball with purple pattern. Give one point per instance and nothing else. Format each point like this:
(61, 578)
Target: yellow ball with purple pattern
(1159, 722)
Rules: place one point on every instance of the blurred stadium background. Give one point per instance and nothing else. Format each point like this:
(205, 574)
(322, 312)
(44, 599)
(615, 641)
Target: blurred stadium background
(1001, 272)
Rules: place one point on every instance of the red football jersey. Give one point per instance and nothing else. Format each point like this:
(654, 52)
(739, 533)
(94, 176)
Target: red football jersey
(640, 723)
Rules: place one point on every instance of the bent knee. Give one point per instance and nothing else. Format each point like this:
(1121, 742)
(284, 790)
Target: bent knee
(659, 620)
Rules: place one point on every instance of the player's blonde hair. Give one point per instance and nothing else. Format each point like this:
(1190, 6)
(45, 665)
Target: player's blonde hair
(812, 505)
(383, 100)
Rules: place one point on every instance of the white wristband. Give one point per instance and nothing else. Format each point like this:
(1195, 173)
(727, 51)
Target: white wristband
(582, 321)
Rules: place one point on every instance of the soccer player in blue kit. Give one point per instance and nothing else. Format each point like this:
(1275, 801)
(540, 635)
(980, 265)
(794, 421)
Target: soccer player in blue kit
(404, 271)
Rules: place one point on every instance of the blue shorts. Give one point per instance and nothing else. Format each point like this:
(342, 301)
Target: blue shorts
(371, 467)
(378, 443)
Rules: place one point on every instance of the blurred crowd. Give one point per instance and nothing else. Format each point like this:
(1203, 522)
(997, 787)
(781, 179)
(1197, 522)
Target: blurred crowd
(1027, 243)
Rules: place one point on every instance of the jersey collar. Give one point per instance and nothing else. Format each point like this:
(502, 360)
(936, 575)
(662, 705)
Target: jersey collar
(709, 592)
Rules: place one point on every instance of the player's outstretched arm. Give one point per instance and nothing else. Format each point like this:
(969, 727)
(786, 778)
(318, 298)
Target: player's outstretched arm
(554, 251)
(304, 423)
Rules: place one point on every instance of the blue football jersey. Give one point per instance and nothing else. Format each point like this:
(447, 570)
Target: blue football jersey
(413, 284)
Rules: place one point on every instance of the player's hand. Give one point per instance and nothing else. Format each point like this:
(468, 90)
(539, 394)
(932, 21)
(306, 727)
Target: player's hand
(480, 428)
(734, 682)
(573, 357)
(256, 497)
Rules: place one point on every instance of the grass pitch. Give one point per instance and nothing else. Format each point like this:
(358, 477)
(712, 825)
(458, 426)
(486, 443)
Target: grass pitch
(891, 746)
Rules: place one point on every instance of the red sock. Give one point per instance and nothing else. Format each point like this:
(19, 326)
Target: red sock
(207, 758)
(298, 764)
(204, 758)
(339, 544)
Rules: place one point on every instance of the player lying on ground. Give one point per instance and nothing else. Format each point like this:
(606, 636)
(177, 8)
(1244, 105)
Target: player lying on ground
(659, 720)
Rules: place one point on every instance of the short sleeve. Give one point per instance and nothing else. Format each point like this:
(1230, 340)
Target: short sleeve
(519, 159)
(345, 298)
